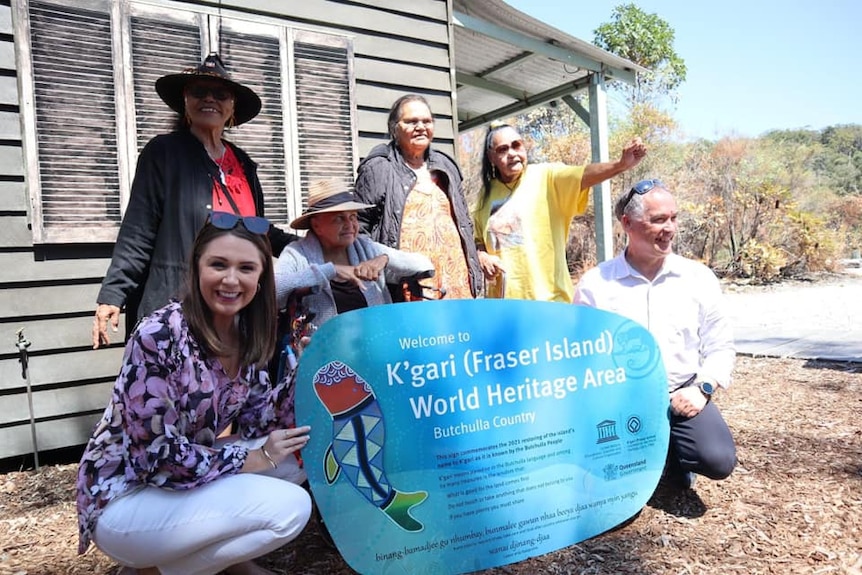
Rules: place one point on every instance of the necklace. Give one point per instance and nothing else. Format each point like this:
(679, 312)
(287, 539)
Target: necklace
(230, 365)
(221, 171)
(230, 359)
(219, 162)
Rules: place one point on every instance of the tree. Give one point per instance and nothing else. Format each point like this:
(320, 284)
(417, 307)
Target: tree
(555, 134)
(647, 40)
(844, 160)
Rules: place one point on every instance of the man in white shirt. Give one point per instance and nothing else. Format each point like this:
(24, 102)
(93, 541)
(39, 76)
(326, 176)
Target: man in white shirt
(680, 302)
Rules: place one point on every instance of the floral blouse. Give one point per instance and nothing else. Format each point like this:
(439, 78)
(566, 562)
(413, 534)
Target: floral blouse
(169, 403)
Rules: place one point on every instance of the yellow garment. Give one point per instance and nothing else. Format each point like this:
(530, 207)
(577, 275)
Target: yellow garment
(428, 228)
(529, 229)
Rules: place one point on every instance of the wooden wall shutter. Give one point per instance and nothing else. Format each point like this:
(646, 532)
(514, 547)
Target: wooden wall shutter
(77, 184)
(324, 109)
(252, 56)
(151, 32)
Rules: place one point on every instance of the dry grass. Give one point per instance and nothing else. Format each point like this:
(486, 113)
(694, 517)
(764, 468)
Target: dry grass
(793, 506)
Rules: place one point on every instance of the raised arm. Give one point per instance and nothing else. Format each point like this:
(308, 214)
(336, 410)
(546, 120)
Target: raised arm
(596, 173)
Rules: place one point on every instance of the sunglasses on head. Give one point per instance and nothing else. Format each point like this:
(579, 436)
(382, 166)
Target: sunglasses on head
(228, 221)
(641, 188)
(200, 92)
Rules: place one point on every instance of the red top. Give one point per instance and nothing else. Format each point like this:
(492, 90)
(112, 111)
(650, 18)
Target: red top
(237, 185)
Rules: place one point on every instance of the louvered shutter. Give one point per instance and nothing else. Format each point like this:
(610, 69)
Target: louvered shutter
(150, 34)
(78, 191)
(254, 60)
(324, 109)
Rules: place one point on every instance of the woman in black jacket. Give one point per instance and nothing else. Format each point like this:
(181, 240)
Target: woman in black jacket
(418, 200)
(180, 178)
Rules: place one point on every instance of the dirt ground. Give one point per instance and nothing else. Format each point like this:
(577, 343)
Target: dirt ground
(793, 505)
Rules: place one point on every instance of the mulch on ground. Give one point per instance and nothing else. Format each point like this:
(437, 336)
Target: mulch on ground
(793, 505)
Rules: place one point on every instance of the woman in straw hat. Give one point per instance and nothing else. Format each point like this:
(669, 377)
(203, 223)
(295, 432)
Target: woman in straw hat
(344, 270)
(180, 178)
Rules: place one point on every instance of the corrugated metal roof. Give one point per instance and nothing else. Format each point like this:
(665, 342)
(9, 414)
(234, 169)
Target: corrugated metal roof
(507, 61)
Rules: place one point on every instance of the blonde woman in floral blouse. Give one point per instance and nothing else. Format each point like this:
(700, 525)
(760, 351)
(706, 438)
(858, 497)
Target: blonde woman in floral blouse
(157, 491)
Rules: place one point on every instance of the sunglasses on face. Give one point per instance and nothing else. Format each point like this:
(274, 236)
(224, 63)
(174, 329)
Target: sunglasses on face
(515, 146)
(641, 188)
(228, 221)
(218, 93)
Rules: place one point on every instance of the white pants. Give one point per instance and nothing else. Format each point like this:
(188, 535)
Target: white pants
(206, 529)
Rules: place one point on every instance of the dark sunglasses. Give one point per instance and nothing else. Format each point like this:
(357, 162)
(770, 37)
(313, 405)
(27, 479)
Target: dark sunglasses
(504, 149)
(200, 92)
(641, 188)
(228, 221)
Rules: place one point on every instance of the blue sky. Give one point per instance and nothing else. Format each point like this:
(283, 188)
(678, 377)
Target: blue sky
(753, 65)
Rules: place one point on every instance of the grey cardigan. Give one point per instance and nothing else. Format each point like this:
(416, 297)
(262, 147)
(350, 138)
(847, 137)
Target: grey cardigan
(301, 265)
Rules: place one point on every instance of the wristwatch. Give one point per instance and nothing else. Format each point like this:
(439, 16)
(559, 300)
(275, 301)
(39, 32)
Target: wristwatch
(707, 389)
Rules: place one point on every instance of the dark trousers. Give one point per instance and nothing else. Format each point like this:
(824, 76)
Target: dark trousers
(702, 444)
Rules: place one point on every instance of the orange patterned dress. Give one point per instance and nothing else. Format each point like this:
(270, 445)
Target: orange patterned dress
(428, 228)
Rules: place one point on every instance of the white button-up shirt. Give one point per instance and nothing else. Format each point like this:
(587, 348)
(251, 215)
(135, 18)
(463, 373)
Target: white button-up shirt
(683, 308)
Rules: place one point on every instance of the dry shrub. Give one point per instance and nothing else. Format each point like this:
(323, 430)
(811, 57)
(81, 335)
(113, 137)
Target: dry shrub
(581, 248)
(845, 215)
(811, 245)
(761, 263)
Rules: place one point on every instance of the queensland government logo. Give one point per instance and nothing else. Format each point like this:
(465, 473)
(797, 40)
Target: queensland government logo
(616, 470)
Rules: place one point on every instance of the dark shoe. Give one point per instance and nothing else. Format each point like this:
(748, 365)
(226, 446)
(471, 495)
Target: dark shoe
(687, 479)
(675, 476)
(678, 479)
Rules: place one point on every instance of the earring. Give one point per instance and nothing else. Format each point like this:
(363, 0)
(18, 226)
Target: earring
(231, 122)
(493, 172)
(187, 119)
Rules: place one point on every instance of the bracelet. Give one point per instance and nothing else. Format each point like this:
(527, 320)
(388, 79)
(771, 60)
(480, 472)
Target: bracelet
(268, 457)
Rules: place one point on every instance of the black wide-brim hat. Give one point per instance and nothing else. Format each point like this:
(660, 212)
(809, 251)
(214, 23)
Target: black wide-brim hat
(170, 88)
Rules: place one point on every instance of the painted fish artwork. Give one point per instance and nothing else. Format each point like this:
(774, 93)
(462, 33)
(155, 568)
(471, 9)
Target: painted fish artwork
(358, 440)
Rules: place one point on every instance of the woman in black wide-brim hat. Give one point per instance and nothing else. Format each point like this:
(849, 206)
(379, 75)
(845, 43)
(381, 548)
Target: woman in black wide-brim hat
(180, 179)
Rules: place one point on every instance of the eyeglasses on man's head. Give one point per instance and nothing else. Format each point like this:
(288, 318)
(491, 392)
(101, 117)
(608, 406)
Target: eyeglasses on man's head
(641, 188)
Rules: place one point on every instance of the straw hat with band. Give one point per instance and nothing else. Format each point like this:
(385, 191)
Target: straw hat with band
(170, 88)
(327, 196)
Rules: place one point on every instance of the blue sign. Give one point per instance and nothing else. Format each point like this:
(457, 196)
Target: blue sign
(454, 436)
